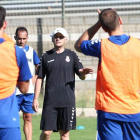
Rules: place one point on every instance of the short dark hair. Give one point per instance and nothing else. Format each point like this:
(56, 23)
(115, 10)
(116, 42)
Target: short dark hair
(109, 19)
(21, 29)
(2, 16)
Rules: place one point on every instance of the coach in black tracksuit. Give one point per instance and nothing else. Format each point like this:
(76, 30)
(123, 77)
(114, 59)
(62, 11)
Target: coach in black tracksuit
(59, 65)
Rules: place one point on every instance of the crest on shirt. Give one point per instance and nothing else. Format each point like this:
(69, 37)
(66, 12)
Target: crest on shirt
(67, 59)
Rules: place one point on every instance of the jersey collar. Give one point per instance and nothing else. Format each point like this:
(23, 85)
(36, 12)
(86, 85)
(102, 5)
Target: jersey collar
(1, 40)
(26, 48)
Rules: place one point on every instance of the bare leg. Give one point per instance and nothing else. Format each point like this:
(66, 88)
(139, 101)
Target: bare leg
(45, 135)
(64, 135)
(27, 117)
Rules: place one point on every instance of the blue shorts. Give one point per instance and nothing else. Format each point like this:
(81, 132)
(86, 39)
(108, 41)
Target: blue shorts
(117, 130)
(25, 102)
(10, 134)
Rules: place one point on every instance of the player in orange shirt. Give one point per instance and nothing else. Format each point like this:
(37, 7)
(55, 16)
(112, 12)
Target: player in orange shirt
(14, 72)
(118, 82)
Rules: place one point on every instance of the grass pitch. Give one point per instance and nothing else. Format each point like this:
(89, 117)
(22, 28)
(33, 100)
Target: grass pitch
(89, 133)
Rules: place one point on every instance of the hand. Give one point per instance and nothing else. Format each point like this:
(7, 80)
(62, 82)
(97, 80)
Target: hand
(35, 105)
(98, 11)
(86, 71)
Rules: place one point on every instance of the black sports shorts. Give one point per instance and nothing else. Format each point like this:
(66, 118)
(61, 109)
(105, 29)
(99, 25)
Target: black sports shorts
(58, 119)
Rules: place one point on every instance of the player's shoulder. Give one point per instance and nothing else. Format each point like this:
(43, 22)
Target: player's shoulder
(95, 41)
(19, 49)
(70, 51)
(135, 38)
(9, 42)
(30, 48)
(47, 53)
(20, 53)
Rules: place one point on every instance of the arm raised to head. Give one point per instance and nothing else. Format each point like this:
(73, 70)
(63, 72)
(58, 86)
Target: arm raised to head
(88, 34)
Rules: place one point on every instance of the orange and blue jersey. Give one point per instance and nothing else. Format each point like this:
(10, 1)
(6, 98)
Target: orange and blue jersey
(122, 110)
(13, 68)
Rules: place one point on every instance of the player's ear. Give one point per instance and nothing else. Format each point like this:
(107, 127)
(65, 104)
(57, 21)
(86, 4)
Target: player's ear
(66, 39)
(5, 24)
(120, 20)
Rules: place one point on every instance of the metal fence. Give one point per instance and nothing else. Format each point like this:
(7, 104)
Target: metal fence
(40, 17)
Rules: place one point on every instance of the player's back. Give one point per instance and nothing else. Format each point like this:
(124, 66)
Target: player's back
(117, 79)
(8, 68)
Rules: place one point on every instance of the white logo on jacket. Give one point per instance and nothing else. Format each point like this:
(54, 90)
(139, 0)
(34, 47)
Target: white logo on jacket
(51, 61)
(67, 59)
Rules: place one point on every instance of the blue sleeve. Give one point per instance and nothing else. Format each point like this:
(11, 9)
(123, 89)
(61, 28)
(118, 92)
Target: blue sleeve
(92, 48)
(24, 71)
(36, 58)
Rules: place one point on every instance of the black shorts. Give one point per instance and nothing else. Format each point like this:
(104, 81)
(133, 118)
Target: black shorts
(58, 119)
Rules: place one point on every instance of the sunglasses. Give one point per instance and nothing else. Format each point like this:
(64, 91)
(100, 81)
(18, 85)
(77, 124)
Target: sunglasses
(59, 36)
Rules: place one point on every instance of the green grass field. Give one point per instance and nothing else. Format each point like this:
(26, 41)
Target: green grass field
(89, 133)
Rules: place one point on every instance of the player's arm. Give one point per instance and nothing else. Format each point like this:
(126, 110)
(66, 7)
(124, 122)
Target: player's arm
(24, 71)
(23, 86)
(37, 92)
(87, 35)
(38, 85)
(35, 76)
(78, 67)
(84, 72)
(36, 63)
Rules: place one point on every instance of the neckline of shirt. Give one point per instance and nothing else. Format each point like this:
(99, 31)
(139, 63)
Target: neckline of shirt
(59, 53)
